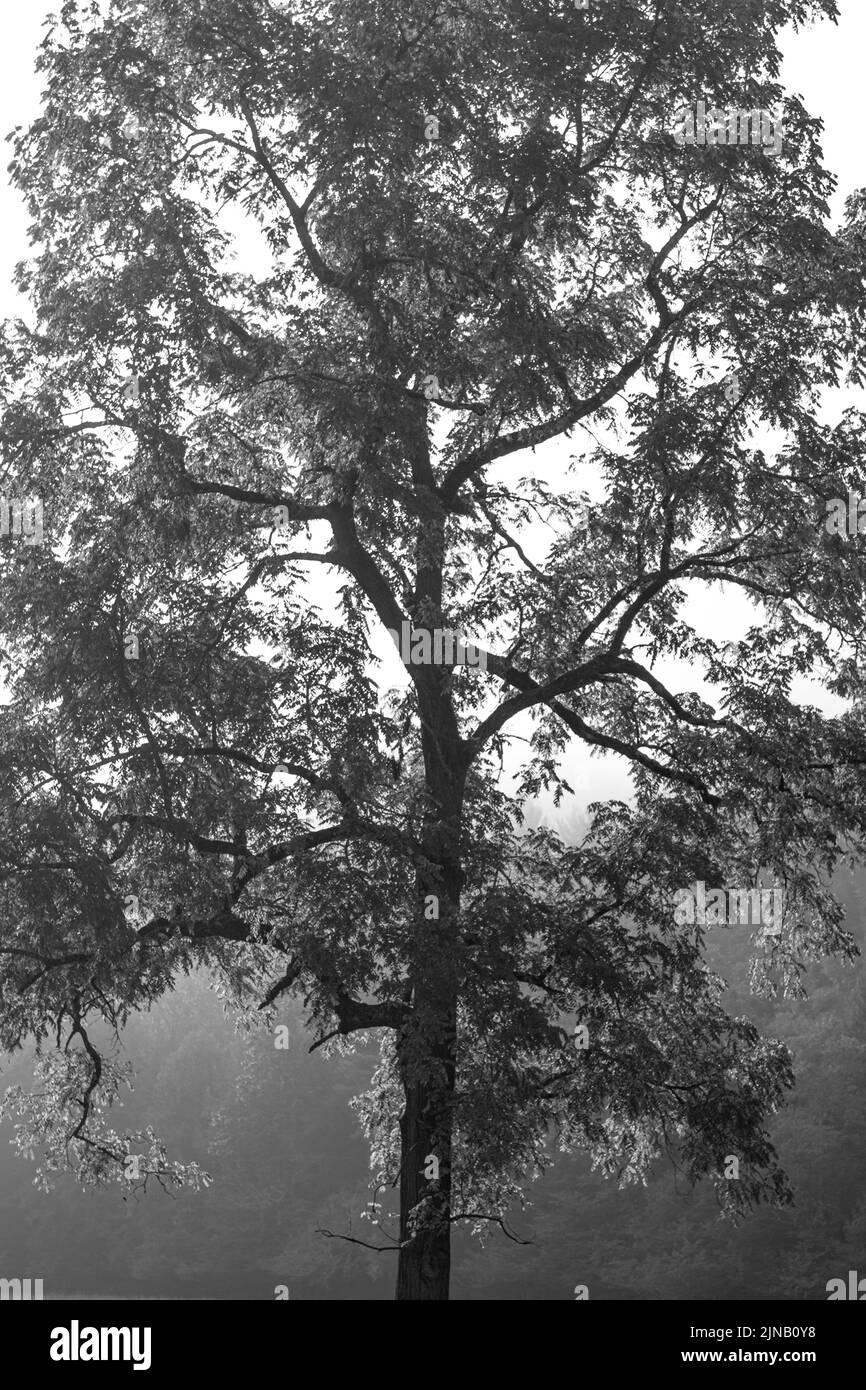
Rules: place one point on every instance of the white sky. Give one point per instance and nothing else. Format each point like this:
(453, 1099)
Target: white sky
(822, 64)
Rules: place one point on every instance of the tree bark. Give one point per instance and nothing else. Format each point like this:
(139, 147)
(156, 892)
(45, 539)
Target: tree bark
(427, 1043)
(427, 1054)
(424, 1261)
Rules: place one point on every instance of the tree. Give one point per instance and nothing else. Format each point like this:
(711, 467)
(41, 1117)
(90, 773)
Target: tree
(477, 229)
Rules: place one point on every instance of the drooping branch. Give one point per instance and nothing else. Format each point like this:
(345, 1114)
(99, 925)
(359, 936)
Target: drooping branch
(352, 828)
(282, 984)
(496, 1220)
(599, 668)
(334, 1235)
(634, 753)
(298, 511)
(634, 668)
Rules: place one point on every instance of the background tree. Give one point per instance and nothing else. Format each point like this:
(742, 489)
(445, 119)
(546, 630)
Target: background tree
(475, 232)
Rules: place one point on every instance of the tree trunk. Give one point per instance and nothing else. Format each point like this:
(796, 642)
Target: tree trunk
(427, 1044)
(427, 1055)
(424, 1261)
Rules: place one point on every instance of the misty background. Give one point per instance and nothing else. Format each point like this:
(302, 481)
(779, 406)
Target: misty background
(274, 1129)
